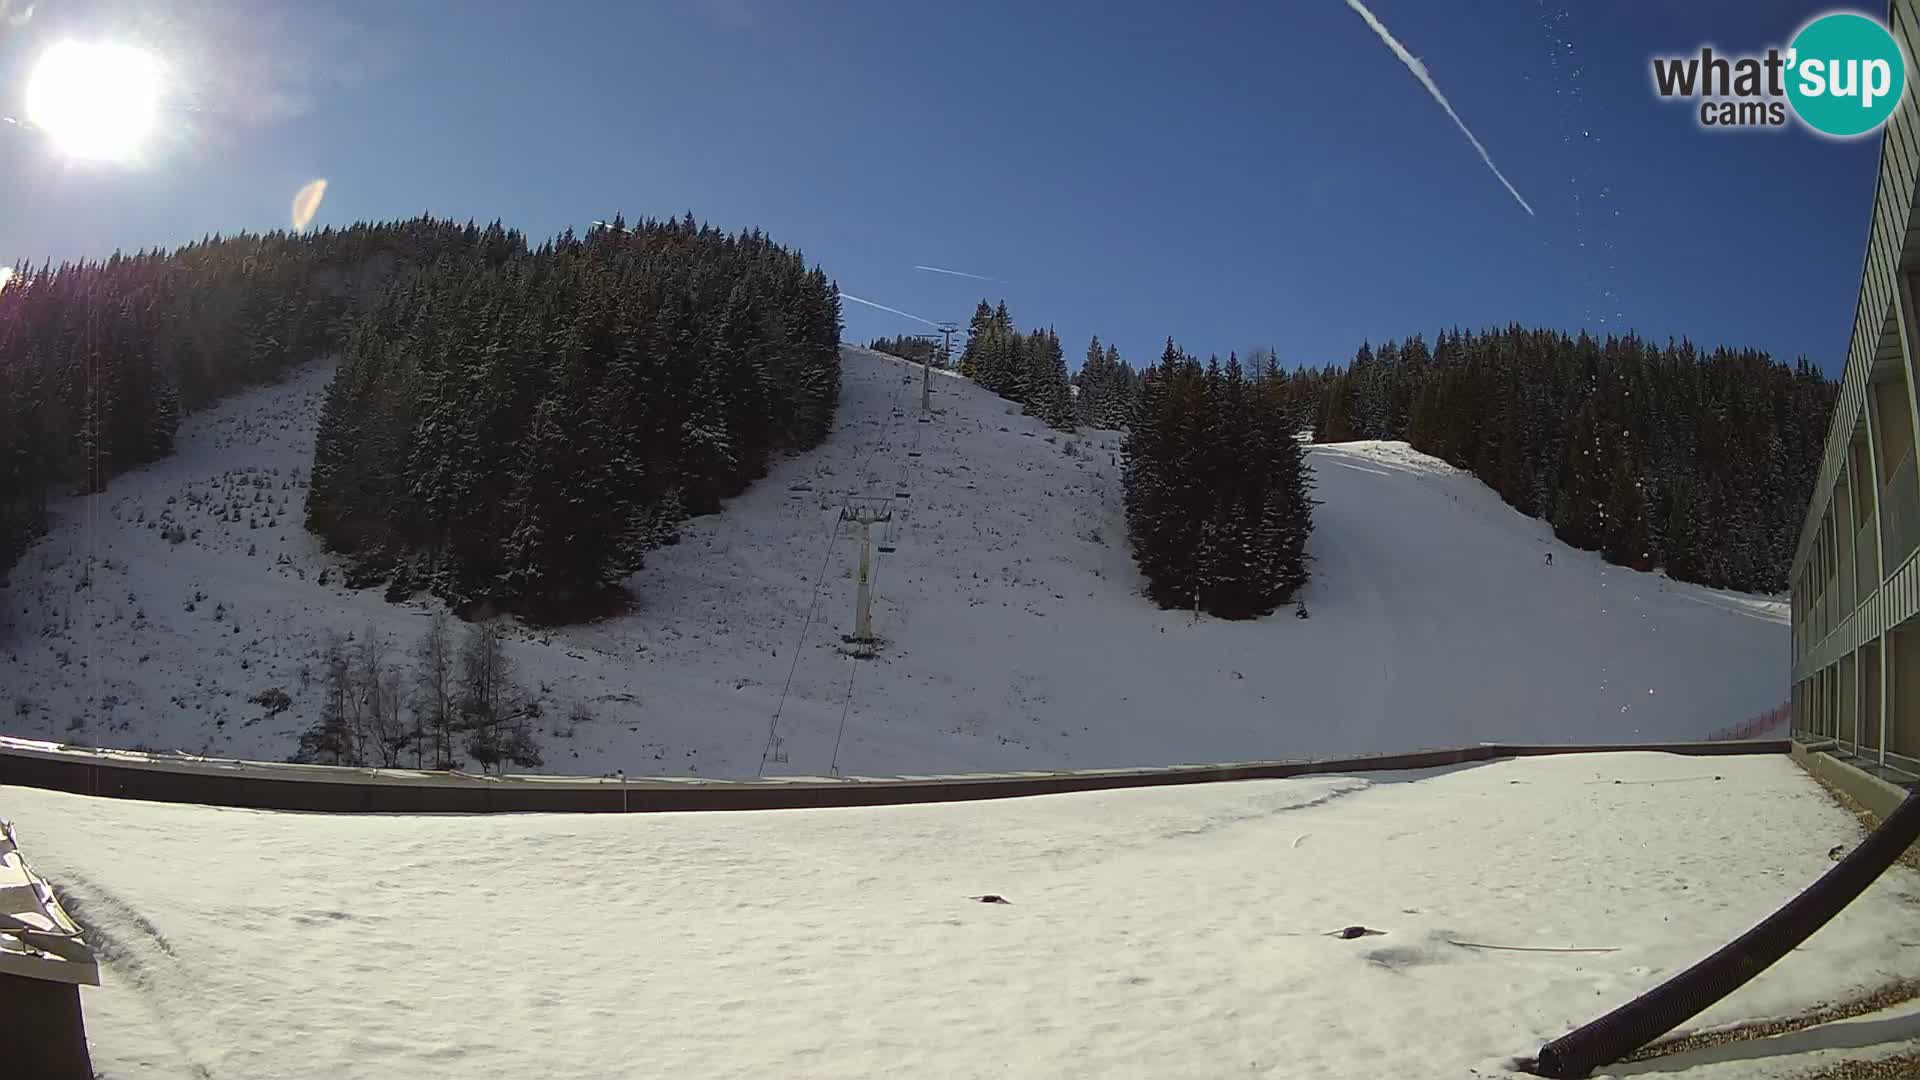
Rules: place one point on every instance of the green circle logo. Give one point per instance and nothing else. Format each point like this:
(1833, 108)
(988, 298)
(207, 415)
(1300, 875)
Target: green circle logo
(1845, 74)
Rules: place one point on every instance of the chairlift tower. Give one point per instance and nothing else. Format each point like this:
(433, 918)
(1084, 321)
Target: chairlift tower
(947, 330)
(866, 513)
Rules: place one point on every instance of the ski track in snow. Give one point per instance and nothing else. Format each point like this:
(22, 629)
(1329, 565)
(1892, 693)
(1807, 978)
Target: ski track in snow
(1165, 933)
(1015, 634)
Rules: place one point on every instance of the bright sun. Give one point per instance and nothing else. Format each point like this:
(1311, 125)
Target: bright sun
(98, 102)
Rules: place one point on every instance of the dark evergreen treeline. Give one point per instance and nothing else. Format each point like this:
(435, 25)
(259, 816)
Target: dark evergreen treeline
(1029, 369)
(98, 360)
(1105, 388)
(1216, 487)
(517, 431)
(1656, 456)
(917, 349)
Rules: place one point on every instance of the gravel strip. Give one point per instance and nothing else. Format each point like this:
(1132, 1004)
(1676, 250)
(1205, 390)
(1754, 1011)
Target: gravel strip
(1866, 820)
(1884, 998)
(1903, 1067)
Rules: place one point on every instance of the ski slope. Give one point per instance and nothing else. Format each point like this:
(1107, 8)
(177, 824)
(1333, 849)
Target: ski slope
(1163, 933)
(1015, 633)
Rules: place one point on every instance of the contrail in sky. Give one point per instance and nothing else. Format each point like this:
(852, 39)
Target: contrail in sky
(1420, 72)
(960, 273)
(844, 295)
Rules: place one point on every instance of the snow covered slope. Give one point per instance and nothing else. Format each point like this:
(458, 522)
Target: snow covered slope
(1163, 933)
(1015, 633)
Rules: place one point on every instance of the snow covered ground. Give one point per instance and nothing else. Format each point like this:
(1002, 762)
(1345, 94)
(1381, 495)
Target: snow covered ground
(1016, 635)
(1168, 932)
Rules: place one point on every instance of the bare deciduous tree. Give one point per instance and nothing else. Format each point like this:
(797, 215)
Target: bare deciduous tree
(330, 740)
(484, 684)
(434, 693)
(378, 686)
(500, 722)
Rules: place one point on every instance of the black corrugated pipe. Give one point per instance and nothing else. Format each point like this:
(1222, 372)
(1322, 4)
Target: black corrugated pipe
(1674, 1002)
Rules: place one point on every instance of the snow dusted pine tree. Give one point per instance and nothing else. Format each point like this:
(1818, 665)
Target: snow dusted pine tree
(1121, 393)
(512, 430)
(1088, 383)
(1160, 525)
(973, 355)
(1047, 395)
(1670, 456)
(1107, 388)
(1216, 489)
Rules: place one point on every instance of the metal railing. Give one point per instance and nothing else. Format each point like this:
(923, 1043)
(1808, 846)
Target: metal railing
(1897, 768)
(1900, 511)
(1866, 577)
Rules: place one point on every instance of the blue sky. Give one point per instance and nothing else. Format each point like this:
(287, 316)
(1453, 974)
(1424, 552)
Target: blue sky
(1232, 174)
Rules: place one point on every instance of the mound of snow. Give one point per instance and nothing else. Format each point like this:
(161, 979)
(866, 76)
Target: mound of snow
(1015, 636)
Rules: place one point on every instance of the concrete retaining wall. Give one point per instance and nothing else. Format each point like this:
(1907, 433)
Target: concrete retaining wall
(267, 786)
(1877, 794)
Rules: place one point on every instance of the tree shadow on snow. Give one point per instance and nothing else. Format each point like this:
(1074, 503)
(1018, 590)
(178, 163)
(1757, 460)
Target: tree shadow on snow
(1402, 776)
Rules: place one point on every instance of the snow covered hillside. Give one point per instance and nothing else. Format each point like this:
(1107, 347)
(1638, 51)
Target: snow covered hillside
(1015, 634)
(1167, 932)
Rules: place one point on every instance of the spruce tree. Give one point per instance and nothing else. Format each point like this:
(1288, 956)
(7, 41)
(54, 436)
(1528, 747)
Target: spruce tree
(1047, 394)
(1119, 393)
(1216, 489)
(1090, 385)
(972, 355)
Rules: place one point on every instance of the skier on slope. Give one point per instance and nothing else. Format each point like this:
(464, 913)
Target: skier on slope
(1549, 558)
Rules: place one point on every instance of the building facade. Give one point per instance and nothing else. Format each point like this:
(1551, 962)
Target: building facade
(1856, 579)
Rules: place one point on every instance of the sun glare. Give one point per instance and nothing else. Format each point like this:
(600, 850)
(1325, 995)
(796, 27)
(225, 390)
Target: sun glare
(97, 102)
(306, 203)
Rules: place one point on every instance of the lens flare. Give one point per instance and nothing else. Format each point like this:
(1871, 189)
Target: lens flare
(306, 203)
(97, 102)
